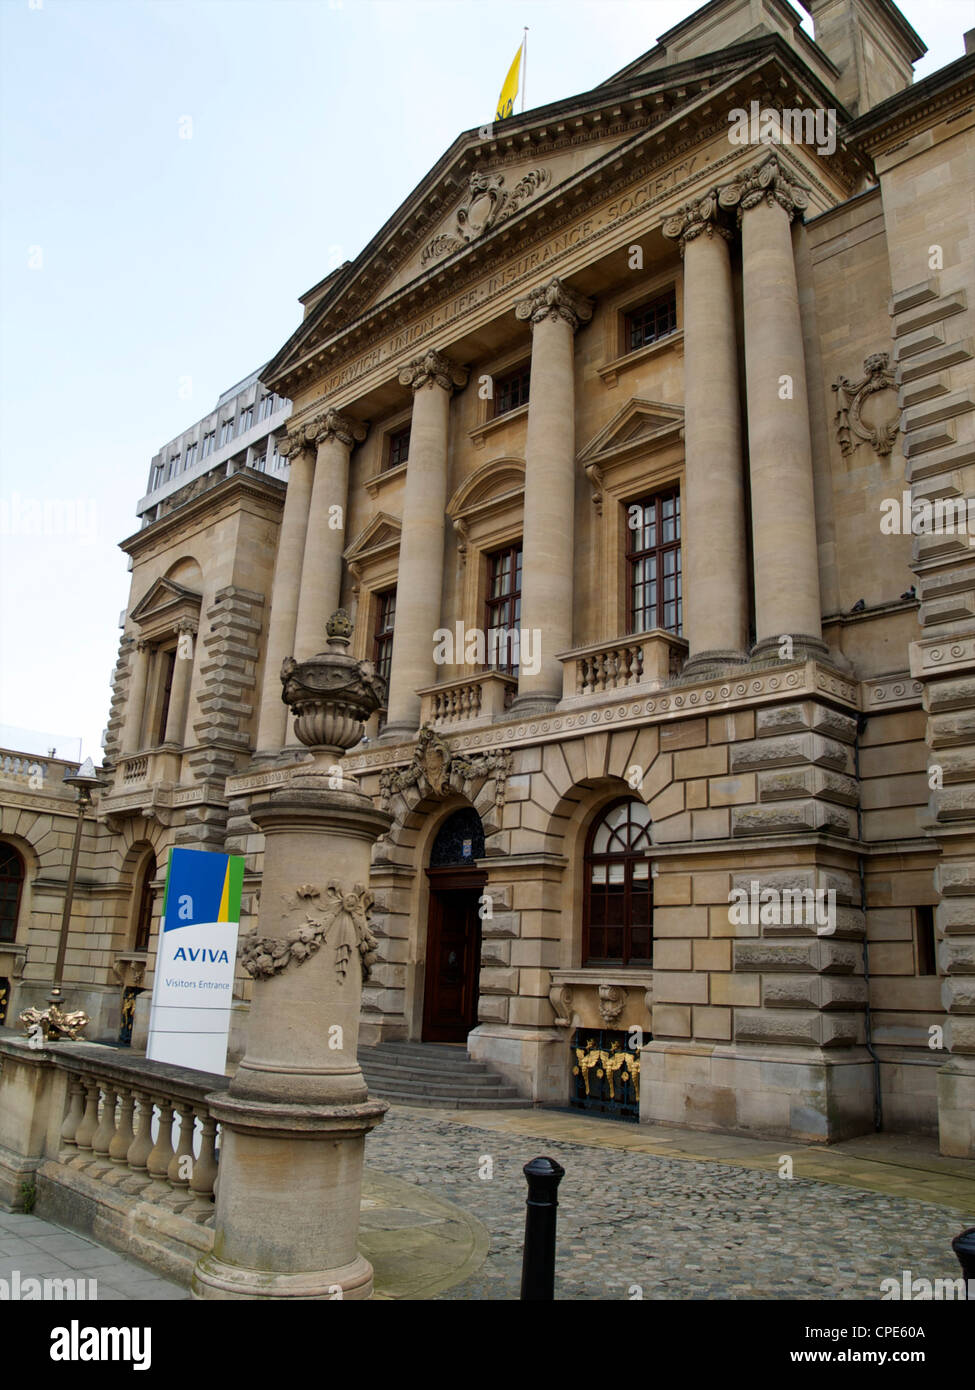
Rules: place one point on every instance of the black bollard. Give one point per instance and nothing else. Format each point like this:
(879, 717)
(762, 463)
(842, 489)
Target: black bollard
(538, 1261)
(964, 1247)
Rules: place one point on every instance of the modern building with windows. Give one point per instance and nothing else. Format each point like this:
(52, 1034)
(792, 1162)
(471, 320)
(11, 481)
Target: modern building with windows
(699, 848)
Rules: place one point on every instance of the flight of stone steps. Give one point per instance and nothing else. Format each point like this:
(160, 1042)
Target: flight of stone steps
(433, 1074)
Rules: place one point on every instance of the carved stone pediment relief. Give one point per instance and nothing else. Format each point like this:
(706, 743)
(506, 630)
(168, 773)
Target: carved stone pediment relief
(868, 411)
(488, 203)
(436, 770)
(639, 427)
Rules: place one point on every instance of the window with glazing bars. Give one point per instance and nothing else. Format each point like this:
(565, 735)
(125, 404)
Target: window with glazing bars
(654, 594)
(511, 391)
(650, 321)
(399, 448)
(617, 927)
(382, 643)
(503, 608)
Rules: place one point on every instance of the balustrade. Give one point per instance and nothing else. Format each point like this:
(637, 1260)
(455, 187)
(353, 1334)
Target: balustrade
(121, 1131)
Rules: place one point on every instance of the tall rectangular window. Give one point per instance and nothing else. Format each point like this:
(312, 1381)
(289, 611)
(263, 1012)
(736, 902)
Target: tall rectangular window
(503, 608)
(173, 467)
(382, 645)
(209, 440)
(168, 668)
(654, 595)
(650, 321)
(267, 406)
(398, 450)
(924, 941)
(511, 391)
(226, 432)
(246, 419)
(189, 457)
(158, 476)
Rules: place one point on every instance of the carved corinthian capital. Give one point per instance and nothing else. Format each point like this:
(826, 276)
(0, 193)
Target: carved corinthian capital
(765, 182)
(555, 301)
(331, 425)
(433, 369)
(696, 218)
(293, 443)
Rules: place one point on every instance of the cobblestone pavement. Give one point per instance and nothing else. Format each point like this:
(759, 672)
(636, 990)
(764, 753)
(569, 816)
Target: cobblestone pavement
(639, 1225)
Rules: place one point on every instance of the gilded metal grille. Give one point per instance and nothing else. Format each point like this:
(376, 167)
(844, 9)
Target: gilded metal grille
(606, 1072)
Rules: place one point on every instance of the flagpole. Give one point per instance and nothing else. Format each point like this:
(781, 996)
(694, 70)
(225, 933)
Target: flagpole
(524, 67)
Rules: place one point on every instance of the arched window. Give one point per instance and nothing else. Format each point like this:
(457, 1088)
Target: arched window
(11, 888)
(146, 898)
(460, 840)
(618, 908)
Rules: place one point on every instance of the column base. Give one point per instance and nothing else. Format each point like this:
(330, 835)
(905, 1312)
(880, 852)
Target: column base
(803, 645)
(403, 731)
(704, 664)
(529, 704)
(956, 1107)
(215, 1280)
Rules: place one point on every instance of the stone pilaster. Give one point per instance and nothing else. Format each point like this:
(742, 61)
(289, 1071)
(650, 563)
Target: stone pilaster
(135, 698)
(787, 598)
(554, 312)
(713, 503)
(272, 722)
(420, 578)
(321, 567)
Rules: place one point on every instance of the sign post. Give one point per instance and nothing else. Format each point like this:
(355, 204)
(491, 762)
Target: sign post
(189, 1023)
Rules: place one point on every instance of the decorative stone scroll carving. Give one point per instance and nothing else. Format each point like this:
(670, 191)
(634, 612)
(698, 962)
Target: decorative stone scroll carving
(694, 219)
(560, 997)
(432, 369)
(612, 1000)
(331, 425)
(487, 204)
(851, 428)
(554, 301)
(764, 182)
(437, 771)
(265, 956)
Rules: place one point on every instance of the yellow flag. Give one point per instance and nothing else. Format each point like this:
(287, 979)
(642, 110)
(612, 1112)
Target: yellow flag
(506, 101)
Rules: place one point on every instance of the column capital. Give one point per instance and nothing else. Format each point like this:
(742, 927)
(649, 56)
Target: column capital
(142, 644)
(331, 425)
(293, 443)
(766, 182)
(432, 369)
(697, 218)
(187, 625)
(554, 301)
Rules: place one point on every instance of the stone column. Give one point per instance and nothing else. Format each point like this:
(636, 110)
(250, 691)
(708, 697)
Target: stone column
(135, 699)
(295, 1118)
(787, 600)
(272, 721)
(554, 312)
(321, 568)
(713, 499)
(420, 579)
(179, 694)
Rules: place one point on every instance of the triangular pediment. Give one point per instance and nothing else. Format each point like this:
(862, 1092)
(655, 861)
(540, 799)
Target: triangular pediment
(500, 189)
(382, 533)
(638, 426)
(165, 600)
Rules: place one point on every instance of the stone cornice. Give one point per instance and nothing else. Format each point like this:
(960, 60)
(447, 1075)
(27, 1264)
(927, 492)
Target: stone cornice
(916, 107)
(554, 301)
(207, 508)
(719, 82)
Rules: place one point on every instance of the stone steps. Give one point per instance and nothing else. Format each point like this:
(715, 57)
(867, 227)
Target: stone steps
(435, 1075)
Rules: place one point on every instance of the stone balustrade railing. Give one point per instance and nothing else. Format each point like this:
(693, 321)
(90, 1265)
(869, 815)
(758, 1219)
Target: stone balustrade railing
(468, 700)
(22, 767)
(133, 1129)
(645, 659)
(134, 769)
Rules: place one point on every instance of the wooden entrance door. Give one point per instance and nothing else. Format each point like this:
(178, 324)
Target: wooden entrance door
(453, 955)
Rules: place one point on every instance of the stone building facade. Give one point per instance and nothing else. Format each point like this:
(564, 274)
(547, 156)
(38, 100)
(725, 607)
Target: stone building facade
(695, 416)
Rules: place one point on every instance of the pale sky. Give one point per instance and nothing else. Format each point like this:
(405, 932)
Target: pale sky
(136, 265)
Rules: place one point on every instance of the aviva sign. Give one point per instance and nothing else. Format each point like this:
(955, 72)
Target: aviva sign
(194, 982)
